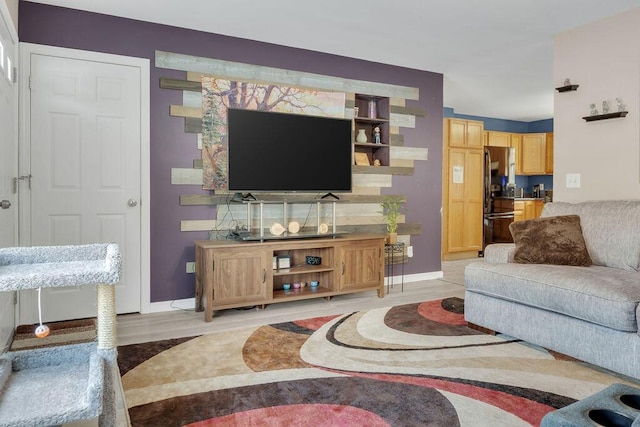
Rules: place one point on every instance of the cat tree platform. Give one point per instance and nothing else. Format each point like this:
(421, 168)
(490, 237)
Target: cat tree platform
(58, 385)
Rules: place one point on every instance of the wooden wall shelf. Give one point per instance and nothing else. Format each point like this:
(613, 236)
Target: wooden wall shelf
(567, 88)
(606, 116)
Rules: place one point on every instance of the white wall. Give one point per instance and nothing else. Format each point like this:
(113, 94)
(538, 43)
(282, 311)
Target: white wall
(12, 5)
(604, 59)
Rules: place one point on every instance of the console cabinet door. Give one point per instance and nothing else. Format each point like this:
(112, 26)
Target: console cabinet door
(241, 275)
(360, 265)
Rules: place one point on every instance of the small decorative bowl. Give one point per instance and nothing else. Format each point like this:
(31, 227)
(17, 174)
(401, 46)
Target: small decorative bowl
(296, 286)
(286, 286)
(314, 283)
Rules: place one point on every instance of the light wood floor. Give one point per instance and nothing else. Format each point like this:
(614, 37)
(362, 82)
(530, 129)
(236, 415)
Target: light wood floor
(137, 328)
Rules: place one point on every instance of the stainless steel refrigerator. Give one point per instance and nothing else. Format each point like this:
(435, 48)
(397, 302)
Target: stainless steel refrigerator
(499, 191)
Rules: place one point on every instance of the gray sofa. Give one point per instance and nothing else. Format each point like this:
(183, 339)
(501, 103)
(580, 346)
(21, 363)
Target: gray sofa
(589, 313)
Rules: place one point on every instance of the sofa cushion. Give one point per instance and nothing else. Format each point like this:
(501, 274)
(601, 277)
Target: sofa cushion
(550, 240)
(601, 295)
(609, 228)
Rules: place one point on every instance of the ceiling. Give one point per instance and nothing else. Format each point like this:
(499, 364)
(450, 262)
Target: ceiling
(496, 55)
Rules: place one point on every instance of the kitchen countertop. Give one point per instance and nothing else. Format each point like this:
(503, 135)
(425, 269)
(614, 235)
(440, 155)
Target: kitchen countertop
(520, 198)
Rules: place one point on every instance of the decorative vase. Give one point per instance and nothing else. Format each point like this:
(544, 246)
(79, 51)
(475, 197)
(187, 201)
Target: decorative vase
(361, 137)
(392, 238)
(373, 109)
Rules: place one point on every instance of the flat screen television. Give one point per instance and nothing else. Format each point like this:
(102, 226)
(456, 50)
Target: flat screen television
(280, 152)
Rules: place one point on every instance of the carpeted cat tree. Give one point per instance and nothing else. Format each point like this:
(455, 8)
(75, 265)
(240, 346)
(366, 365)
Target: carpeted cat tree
(58, 385)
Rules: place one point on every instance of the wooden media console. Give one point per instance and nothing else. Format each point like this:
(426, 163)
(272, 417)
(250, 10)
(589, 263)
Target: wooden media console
(231, 274)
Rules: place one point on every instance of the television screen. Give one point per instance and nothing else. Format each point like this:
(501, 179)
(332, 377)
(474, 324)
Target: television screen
(269, 151)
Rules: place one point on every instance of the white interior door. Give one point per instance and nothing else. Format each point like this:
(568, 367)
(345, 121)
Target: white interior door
(8, 161)
(84, 147)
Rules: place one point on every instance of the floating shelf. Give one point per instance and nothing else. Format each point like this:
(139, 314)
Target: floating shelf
(606, 116)
(371, 120)
(567, 88)
(370, 144)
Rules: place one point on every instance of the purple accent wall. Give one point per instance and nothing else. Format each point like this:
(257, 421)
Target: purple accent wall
(171, 147)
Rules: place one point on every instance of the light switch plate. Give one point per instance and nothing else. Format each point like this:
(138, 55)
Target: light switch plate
(573, 180)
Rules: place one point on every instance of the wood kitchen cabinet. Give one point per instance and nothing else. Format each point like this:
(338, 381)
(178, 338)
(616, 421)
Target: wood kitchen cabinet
(463, 206)
(548, 169)
(527, 209)
(533, 154)
(498, 139)
(464, 133)
(231, 274)
(516, 142)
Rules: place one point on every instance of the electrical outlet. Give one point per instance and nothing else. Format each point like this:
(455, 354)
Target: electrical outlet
(191, 267)
(573, 180)
(410, 251)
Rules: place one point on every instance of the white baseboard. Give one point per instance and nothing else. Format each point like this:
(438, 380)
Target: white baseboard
(409, 278)
(190, 303)
(179, 304)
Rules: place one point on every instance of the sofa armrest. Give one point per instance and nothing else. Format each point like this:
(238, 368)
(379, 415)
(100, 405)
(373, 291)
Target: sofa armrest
(499, 253)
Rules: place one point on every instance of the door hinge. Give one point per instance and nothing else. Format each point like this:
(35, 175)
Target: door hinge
(29, 82)
(20, 178)
(15, 74)
(15, 298)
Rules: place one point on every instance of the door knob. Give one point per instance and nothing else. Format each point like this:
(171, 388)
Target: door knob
(132, 203)
(5, 204)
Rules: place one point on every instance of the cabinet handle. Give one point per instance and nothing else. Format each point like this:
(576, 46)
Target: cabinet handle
(343, 268)
(264, 275)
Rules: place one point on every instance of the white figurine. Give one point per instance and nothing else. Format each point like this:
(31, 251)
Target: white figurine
(594, 110)
(620, 105)
(605, 107)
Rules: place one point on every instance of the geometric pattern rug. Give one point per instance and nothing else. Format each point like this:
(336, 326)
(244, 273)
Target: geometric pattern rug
(409, 365)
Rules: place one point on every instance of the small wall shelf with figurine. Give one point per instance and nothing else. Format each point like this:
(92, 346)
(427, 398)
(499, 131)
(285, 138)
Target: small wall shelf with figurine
(606, 116)
(567, 88)
(371, 130)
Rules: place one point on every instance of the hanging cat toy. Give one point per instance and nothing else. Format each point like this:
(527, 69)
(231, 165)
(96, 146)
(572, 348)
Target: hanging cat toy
(42, 330)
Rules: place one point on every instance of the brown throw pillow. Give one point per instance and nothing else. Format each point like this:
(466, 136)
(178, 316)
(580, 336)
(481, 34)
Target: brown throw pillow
(551, 240)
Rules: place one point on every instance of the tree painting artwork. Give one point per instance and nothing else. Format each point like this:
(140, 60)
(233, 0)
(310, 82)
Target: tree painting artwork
(218, 95)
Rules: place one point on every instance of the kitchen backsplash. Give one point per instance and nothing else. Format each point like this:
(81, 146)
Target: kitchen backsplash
(527, 182)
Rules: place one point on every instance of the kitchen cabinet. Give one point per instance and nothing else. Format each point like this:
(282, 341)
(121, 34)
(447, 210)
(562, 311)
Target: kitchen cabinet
(518, 209)
(527, 209)
(533, 154)
(231, 274)
(516, 142)
(498, 139)
(463, 203)
(463, 192)
(549, 154)
(464, 133)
